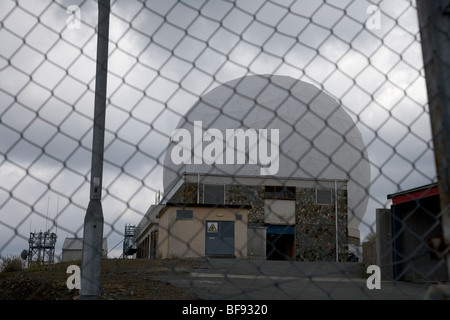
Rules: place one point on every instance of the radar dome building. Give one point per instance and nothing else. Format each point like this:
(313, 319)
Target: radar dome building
(280, 149)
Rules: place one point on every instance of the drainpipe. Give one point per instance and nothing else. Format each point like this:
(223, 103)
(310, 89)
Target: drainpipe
(336, 218)
(198, 188)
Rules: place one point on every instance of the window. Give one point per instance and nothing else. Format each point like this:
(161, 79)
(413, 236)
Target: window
(279, 192)
(214, 194)
(324, 196)
(185, 214)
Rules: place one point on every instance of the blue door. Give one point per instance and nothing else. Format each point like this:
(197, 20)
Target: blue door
(219, 238)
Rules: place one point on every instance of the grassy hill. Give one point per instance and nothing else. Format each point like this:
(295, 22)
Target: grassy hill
(123, 279)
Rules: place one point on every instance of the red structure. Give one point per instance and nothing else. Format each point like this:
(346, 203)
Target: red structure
(414, 194)
(415, 222)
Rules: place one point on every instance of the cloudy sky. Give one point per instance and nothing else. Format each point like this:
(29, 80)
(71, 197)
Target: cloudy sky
(163, 56)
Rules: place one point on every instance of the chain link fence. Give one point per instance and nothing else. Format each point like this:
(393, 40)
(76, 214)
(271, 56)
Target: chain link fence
(255, 147)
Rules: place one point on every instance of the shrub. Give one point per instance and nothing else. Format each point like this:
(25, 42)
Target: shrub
(11, 264)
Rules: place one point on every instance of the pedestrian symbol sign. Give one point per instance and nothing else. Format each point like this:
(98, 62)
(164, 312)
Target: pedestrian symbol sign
(213, 226)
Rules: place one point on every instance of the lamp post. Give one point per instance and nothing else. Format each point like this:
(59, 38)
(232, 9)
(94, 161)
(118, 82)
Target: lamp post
(93, 222)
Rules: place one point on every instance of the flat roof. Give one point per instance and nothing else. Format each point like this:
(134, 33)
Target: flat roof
(77, 244)
(202, 205)
(417, 193)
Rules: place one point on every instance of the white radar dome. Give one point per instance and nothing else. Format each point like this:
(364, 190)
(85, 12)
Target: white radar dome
(292, 129)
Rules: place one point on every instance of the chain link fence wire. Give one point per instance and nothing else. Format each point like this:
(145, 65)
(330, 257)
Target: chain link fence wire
(326, 74)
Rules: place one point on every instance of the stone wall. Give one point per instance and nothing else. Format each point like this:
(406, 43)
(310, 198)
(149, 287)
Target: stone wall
(248, 195)
(315, 230)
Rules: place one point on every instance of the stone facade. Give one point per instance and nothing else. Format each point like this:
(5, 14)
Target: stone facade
(315, 227)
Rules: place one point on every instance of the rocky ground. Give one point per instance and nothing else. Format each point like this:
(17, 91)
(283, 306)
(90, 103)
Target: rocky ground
(121, 279)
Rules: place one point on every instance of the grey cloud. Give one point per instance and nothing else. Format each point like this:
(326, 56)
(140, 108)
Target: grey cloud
(159, 68)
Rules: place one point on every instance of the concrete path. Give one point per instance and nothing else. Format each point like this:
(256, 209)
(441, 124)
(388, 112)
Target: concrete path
(218, 279)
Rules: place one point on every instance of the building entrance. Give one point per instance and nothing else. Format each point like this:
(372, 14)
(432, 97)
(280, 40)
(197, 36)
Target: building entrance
(219, 238)
(280, 242)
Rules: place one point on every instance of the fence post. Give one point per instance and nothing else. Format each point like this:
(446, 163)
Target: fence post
(93, 222)
(434, 23)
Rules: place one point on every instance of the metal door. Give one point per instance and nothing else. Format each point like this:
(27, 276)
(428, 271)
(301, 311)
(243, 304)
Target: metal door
(219, 238)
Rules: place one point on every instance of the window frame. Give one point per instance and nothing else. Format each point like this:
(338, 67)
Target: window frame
(280, 192)
(205, 187)
(184, 214)
(323, 203)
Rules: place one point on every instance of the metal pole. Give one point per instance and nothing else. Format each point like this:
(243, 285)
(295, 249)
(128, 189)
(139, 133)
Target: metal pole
(93, 222)
(198, 188)
(336, 219)
(434, 23)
